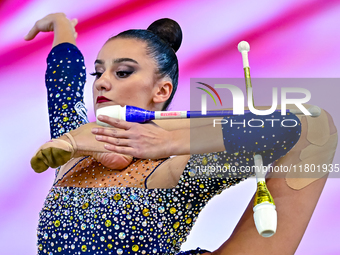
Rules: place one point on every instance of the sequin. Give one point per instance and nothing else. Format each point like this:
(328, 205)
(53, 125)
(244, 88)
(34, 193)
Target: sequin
(172, 210)
(176, 225)
(108, 223)
(121, 235)
(117, 197)
(161, 209)
(84, 248)
(57, 223)
(188, 206)
(135, 247)
(146, 212)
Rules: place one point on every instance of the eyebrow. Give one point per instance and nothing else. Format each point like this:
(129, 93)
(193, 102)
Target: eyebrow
(117, 60)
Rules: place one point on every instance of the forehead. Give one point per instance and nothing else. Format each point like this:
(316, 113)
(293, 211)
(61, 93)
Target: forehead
(125, 48)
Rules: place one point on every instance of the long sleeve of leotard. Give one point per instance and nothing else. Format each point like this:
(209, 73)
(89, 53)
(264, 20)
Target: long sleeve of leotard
(271, 136)
(65, 79)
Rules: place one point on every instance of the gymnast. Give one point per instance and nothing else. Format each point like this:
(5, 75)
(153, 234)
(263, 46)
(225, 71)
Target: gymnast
(118, 190)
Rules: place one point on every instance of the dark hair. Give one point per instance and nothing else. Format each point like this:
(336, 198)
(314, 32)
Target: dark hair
(163, 38)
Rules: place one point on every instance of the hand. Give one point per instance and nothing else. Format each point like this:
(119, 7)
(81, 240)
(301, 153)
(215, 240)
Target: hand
(139, 140)
(50, 22)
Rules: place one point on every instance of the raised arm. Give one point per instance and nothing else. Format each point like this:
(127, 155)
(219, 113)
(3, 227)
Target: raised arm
(58, 23)
(65, 75)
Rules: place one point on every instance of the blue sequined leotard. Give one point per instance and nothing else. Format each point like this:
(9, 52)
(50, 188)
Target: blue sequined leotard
(96, 210)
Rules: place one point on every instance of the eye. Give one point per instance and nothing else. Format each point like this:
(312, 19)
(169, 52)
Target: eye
(123, 74)
(97, 74)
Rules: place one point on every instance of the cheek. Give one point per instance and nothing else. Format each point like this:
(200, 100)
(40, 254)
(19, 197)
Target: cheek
(141, 86)
(146, 84)
(94, 97)
(94, 93)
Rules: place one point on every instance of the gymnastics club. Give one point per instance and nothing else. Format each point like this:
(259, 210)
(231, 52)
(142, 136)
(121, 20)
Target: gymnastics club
(136, 114)
(265, 215)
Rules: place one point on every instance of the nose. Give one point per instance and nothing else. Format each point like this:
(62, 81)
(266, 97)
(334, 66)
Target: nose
(103, 82)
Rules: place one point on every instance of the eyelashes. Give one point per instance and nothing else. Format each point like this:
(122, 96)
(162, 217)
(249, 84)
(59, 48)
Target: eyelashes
(123, 74)
(119, 74)
(96, 74)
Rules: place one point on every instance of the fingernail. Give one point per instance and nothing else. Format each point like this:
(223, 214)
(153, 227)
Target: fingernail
(100, 117)
(98, 137)
(94, 130)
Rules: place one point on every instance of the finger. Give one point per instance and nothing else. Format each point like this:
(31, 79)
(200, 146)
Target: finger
(116, 122)
(120, 149)
(32, 33)
(74, 22)
(111, 132)
(112, 140)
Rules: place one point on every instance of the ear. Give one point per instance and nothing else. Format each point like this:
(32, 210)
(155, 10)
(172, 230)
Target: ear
(163, 91)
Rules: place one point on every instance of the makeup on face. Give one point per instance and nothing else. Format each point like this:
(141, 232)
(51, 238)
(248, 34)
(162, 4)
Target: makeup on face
(125, 75)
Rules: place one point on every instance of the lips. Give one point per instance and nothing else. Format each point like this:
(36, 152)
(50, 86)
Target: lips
(102, 99)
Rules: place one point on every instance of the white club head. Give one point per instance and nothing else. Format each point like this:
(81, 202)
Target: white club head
(113, 111)
(243, 46)
(265, 218)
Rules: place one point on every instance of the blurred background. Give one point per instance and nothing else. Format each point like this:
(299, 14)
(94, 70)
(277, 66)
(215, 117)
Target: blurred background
(288, 39)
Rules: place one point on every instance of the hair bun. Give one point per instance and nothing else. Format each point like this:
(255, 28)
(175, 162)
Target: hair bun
(169, 31)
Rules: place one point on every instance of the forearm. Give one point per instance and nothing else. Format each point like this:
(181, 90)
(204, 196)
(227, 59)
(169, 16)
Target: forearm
(65, 80)
(196, 140)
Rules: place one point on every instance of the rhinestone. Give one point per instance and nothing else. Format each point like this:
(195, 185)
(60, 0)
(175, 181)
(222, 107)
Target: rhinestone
(188, 206)
(161, 209)
(172, 210)
(146, 212)
(117, 197)
(135, 247)
(57, 223)
(176, 225)
(108, 223)
(121, 235)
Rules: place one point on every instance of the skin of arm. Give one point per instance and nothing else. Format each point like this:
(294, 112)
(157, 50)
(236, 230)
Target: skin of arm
(62, 27)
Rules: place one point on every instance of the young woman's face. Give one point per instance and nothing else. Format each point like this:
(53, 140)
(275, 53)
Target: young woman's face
(125, 75)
